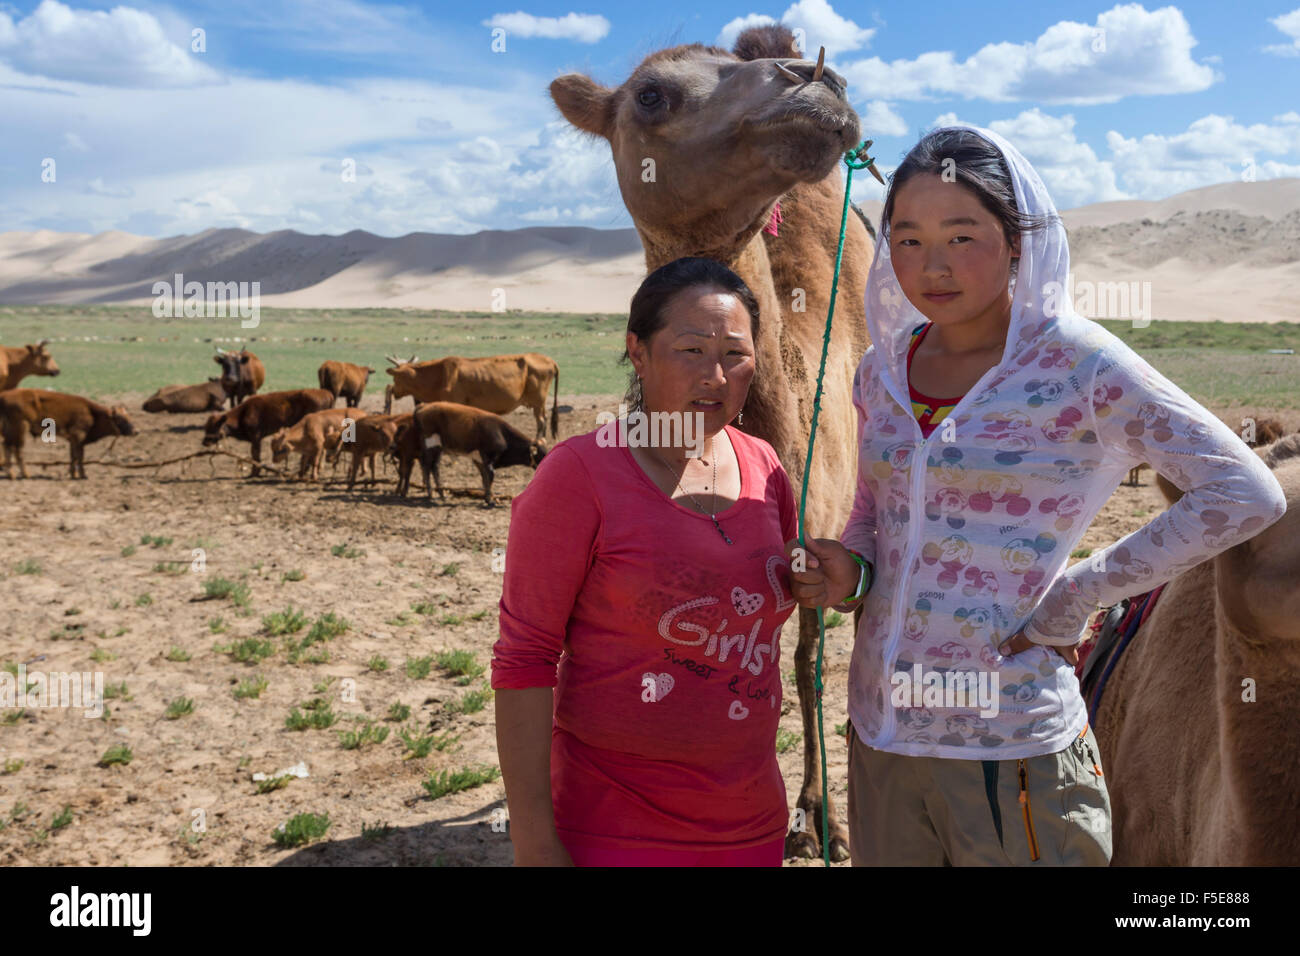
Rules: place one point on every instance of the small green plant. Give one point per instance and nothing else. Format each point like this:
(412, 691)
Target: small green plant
(479, 615)
(251, 651)
(10, 666)
(171, 567)
(178, 655)
(460, 665)
(179, 708)
(155, 540)
(417, 668)
(323, 685)
(470, 703)
(115, 691)
(425, 607)
(841, 729)
(451, 620)
(328, 626)
(12, 717)
(221, 588)
(114, 604)
(11, 766)
(99, 655)
(287, 621)
(143, 600)
(319, 717)
(61, 819)
(344, 551)
(118, 753)
(72, 612)
(301, 829)
(274, 783)
(360, 736)
(293, 575)
(401, 620)
(128, 551)
(28, 566)
(252, 687)
(1080, 552)
(218, 625)
(378, 832)
(834, 619)
(440, 784)
(398, 712)
(448, 570)
(786, 740)
(377, 663)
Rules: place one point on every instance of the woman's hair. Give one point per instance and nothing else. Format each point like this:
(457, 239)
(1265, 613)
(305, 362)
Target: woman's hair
(646, 315)
(966, 157)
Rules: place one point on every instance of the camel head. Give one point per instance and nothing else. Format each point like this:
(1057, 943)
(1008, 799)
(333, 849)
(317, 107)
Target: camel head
(705, 140)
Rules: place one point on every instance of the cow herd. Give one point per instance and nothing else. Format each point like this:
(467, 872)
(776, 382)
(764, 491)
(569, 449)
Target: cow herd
(458, 407)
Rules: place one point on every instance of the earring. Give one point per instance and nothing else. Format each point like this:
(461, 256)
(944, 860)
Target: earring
(637, 397)
(740, 419)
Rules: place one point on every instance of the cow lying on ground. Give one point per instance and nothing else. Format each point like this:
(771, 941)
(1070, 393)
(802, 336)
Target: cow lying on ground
(498, 383)
(372, 436)
(261, 416)
(80, 421)
(242, 374)
(489, 439)
(208, 397)
(346, 379)
(311, 438)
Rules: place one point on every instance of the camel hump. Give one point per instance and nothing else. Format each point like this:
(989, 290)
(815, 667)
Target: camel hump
(769, 41)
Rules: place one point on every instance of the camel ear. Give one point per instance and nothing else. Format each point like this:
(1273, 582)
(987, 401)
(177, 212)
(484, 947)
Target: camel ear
(768, 41)
(1168, 489)
(585, 103)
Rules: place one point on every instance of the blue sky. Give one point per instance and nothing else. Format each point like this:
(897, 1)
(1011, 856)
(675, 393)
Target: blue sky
(146, 135)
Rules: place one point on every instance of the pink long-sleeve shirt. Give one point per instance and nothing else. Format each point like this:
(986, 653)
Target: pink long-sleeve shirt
(662, 642)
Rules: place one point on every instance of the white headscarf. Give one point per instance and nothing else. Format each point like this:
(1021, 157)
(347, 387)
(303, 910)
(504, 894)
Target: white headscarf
(1040, 288)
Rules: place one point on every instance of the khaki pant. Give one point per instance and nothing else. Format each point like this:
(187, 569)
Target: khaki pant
(932, 811)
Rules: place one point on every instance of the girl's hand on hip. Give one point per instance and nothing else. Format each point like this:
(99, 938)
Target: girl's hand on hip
(830, 574)
(1020, 642)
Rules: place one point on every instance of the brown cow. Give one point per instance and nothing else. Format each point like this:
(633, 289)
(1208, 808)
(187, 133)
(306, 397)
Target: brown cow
(242, 373)
(372, 436)
(461, 429)
(261, 416)
(81, 421)
(498, 383)
(208, 397)
(311, 438)
(346, 379)
(406, 449)
(16, 363)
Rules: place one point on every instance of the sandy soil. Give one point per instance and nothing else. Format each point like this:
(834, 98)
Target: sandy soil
(411, 551)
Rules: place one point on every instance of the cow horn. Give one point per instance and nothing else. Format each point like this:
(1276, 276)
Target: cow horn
(392, 360)
(411, 360)
(220, 350)
(42, 342)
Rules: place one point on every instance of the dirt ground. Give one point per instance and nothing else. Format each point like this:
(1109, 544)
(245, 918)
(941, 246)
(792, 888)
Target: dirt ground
(67, 592)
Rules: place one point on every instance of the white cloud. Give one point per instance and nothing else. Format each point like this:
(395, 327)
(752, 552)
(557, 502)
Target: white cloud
(879, 119)
(124, 47)
(820, 24)
(1129, 51)
(582, 27)
(73, 141)
(1213, 149)
(1070, 169)
(96, 187)
(1288, 23)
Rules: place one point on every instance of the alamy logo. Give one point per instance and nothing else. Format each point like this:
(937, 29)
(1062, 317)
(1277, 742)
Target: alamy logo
(53, 689)
(102, 909)
(638, 429)
(193, 300)
(966, 690)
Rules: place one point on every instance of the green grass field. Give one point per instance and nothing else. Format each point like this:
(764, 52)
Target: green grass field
(110, 350)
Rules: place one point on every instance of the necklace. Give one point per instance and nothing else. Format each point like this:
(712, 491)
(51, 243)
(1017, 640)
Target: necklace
(711, 513)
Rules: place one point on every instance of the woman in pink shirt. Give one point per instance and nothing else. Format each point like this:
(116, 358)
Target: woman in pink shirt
(646, 582)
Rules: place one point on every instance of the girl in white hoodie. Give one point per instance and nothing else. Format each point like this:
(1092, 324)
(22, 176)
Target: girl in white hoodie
(994, 422)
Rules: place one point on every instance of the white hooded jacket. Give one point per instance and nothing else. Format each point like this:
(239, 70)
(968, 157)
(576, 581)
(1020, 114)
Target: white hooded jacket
(970, 530)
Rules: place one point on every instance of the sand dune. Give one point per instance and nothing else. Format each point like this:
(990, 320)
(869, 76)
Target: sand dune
(1229, 251)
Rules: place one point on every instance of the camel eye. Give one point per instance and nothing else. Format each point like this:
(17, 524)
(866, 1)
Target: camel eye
(649, 97)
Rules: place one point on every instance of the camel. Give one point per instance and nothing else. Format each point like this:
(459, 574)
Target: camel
(706, 142)
(1197, 724)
